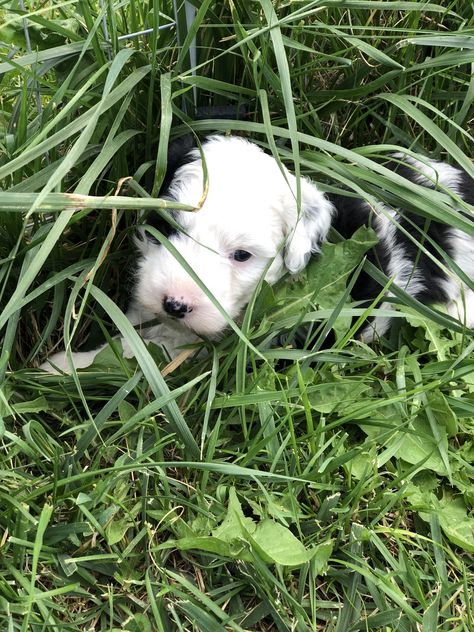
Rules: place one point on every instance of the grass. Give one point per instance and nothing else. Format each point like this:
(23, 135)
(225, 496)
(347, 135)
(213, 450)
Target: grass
(258, 487)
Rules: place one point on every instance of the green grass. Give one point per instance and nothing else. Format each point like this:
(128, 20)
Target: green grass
(258, 487)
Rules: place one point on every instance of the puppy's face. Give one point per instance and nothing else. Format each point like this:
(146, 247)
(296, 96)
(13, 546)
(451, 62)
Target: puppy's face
(248, 227)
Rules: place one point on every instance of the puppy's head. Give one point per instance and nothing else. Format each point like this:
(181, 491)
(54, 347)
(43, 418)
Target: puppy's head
(250, 225)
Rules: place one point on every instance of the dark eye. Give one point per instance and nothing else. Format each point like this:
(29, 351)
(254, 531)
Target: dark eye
(241, 255)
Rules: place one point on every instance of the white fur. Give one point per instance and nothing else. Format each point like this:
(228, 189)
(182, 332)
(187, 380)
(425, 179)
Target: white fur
(59, 361)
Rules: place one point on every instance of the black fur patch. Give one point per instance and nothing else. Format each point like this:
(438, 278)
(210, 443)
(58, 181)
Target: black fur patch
(178, 156)
(466, 188)
(158, 221)
(416, 225)
(353, 213)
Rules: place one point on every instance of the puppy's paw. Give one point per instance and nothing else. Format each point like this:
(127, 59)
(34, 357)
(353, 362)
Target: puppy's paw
(58, 362)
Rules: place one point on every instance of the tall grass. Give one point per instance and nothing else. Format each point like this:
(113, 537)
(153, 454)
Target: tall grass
(260, 486)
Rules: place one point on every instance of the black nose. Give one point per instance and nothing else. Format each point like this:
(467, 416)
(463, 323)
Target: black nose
(175, 307)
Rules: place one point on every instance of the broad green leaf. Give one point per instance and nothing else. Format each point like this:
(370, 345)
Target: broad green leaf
(116, 530)
(212, 544)
(456, 523)
(235, 524)
(277, 545)
(324, 280)
(439, 343)
(338, 396)
(451, 512)
(38, 405)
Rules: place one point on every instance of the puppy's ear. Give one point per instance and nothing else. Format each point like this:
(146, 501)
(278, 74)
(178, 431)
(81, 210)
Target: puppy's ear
(180, 153)
(307, 226)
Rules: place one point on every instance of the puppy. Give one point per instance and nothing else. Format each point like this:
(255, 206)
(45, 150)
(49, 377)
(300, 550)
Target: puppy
(249, 223)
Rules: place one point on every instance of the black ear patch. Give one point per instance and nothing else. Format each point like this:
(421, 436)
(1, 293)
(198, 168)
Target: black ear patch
(178, 155)
(158, 221)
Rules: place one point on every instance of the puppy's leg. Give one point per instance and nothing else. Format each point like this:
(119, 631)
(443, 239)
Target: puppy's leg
(377, 327)
(58, 362)
(460, 307)
(170, 339)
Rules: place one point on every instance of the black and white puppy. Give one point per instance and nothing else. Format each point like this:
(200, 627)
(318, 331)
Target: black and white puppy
(248, 223)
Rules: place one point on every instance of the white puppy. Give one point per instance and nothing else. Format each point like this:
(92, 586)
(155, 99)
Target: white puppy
(251, 221)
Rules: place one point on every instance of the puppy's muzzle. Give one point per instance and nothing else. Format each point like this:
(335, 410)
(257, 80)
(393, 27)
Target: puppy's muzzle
(175, 307)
